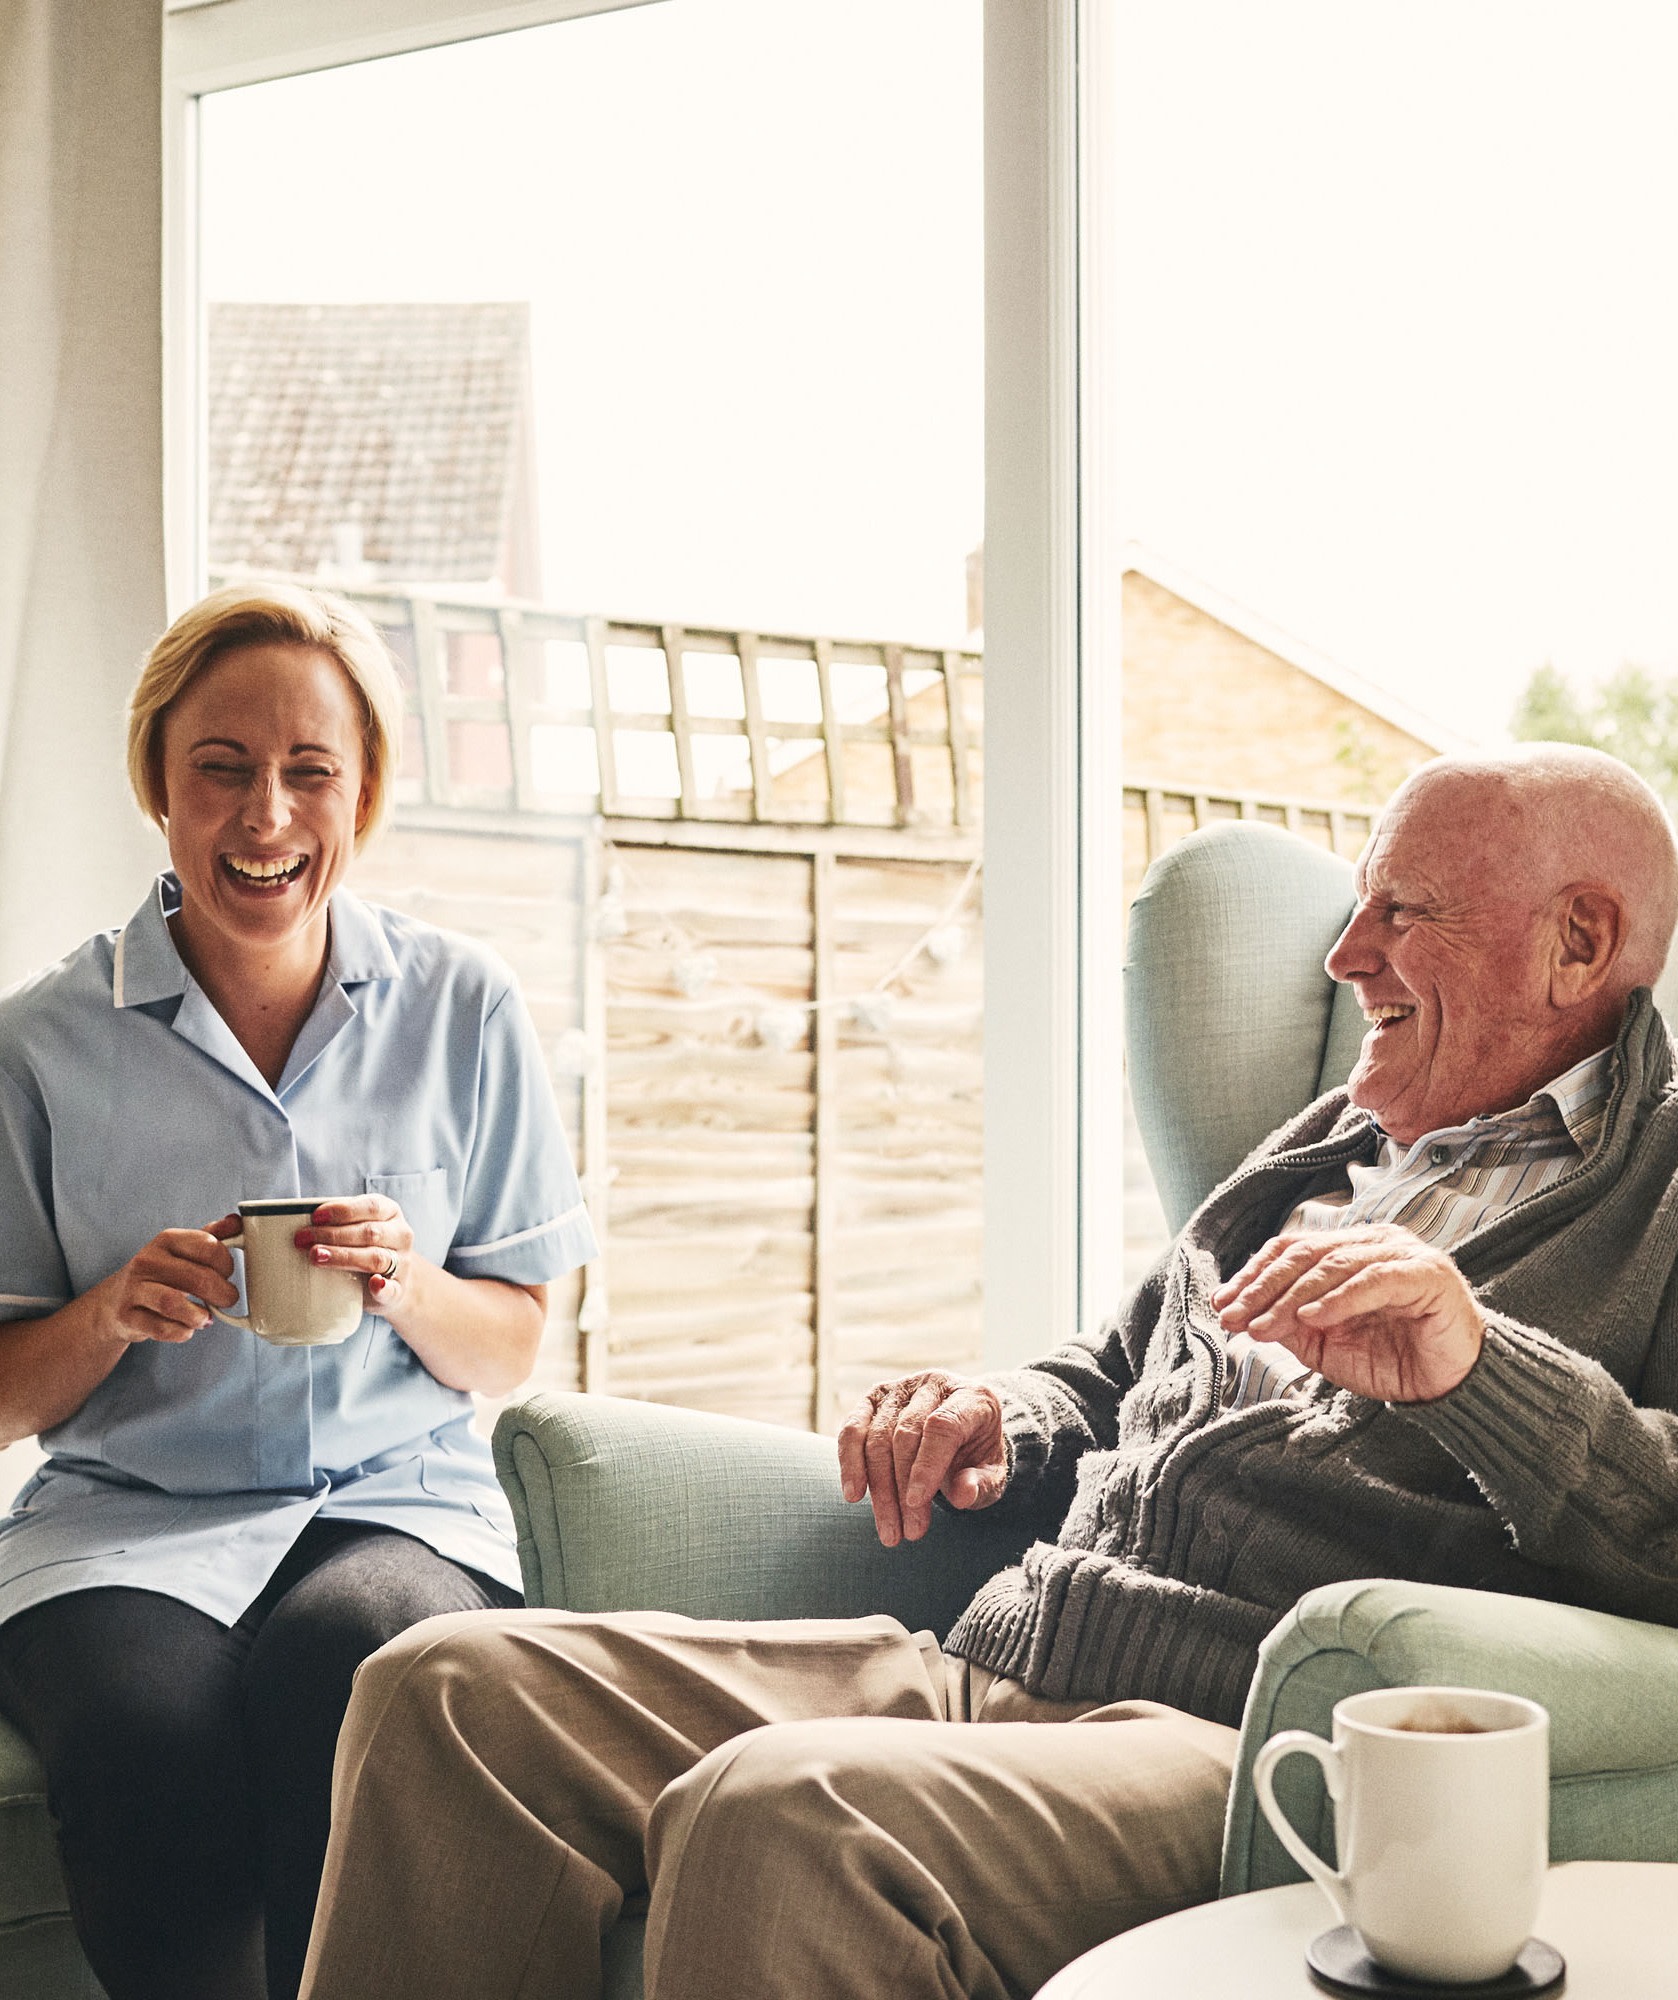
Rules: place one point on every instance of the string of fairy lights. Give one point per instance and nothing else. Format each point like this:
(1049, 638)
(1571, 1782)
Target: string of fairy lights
(695, 971)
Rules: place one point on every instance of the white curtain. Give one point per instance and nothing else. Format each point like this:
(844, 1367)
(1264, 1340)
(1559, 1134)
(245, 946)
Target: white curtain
(81, 436)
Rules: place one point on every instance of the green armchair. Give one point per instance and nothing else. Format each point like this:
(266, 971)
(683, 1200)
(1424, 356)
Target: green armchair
(625, 1505)
(1232, 1026)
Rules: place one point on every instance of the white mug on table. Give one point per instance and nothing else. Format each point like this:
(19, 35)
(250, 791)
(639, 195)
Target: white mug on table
(291, 1301)
(1441, 1811)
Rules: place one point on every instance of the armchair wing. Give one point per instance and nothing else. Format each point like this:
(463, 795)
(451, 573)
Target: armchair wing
(1610, 1684)
(1232, 1026)
(641, 1506)
(624, 1506)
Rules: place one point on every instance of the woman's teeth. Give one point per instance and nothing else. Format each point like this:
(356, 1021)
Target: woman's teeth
(1389, 1012)
(265, 872)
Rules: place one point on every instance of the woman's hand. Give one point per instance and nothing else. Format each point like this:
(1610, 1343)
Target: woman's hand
(472, 1333)
(156, 1295)
(50, 1366)
(367, 1234)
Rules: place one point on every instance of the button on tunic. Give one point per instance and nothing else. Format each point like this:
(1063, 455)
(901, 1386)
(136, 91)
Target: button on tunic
(127, 1106)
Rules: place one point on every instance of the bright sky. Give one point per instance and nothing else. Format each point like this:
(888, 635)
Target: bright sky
(752, 239)
(1399, 353)
(1395, 362)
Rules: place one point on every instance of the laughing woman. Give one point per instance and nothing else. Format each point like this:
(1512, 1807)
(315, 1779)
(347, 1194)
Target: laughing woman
(224, 1529)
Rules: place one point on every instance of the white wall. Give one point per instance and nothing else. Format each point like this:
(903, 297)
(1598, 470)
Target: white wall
(81, 530)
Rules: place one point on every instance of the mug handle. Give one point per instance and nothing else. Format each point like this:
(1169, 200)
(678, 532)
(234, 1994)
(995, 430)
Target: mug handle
(232, 1319)
(1301, 1742)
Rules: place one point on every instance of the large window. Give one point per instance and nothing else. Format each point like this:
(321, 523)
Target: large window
(1393, 400)
(629, 370)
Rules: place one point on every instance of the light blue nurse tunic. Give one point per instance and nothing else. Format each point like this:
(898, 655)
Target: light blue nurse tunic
(127, 1107)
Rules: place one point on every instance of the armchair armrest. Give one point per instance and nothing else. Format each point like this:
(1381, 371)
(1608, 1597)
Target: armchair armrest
(1610, 1684)
(624, 1505)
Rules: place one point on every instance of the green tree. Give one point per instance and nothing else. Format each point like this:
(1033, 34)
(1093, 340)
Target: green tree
(1633, 715)
(1550, 712)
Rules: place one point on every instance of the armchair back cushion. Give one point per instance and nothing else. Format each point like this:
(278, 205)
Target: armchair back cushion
(1234, 1027)
(1231, 1022)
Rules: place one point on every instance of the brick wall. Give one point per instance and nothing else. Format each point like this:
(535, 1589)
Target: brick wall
(1206, 707)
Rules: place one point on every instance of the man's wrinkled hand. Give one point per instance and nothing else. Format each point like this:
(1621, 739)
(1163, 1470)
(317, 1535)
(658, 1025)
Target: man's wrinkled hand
(1373, 1310)
(908, 1441)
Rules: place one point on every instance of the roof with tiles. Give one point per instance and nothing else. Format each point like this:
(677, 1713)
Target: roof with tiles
(392, 440)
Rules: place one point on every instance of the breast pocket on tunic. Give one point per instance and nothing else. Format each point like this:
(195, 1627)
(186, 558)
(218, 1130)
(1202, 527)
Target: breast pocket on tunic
(423, 1198)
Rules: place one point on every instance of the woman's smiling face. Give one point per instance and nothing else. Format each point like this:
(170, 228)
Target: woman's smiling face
(264, 785)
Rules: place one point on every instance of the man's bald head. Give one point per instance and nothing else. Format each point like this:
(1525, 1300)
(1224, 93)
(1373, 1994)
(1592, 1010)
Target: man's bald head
(1508, 906)
(1558, 814)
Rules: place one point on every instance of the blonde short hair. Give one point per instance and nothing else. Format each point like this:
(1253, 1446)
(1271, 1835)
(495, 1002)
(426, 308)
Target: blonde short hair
(268, 614)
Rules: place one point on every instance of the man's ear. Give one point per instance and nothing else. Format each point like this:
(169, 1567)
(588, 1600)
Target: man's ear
(1590, 934)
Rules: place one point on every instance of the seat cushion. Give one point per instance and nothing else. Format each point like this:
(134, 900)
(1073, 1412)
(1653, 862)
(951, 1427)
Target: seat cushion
(43, 1960)
(31, 1884)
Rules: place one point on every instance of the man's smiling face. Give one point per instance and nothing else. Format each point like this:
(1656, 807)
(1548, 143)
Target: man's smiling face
(1447, 953)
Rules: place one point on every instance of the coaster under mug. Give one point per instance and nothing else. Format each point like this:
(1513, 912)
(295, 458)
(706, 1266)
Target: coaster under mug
(1441, 1801)
(1338, 1962)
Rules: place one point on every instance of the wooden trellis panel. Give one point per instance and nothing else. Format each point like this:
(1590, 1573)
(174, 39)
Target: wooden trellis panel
(788, 1224)
(526, 899)
(482, 703)
(710, 1210)
(1157, 816)
(909, 1114)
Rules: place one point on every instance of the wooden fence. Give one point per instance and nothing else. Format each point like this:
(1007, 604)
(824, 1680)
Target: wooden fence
(518, 707)
(704, 909)
(1156, 816)
(775, 1097)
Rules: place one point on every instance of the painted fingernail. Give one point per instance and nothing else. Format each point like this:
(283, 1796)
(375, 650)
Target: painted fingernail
(319, 1255)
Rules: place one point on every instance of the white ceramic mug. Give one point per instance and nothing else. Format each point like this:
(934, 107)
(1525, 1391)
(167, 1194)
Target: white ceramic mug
(291, 1302)
(1442, 1824)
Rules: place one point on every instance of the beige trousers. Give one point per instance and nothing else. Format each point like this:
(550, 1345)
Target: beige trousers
(818, 1808)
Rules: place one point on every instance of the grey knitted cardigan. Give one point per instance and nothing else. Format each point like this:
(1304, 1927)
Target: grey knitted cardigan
(1175, 1535)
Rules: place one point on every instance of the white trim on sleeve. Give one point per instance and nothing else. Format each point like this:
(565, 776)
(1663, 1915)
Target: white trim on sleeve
(579, 1213)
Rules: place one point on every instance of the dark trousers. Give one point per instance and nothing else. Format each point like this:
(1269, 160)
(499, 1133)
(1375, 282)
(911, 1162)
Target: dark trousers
(189, 1765)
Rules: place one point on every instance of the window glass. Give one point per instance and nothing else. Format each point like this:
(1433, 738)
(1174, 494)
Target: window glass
(1395, 404)
(629, 372)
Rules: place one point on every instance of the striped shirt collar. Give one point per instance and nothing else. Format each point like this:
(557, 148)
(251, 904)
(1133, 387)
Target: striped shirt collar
(1578, 1098)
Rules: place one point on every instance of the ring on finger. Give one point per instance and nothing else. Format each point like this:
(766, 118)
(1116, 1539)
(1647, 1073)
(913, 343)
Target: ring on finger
(389, 1270)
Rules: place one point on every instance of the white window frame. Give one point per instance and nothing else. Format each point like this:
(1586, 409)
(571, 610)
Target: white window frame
(1052, 1138)
(1054, 897)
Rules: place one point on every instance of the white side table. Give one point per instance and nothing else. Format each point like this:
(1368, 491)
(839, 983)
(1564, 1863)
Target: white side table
(1615, 1922)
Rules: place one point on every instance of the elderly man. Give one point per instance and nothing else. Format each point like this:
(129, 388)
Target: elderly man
(1427, 1330)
